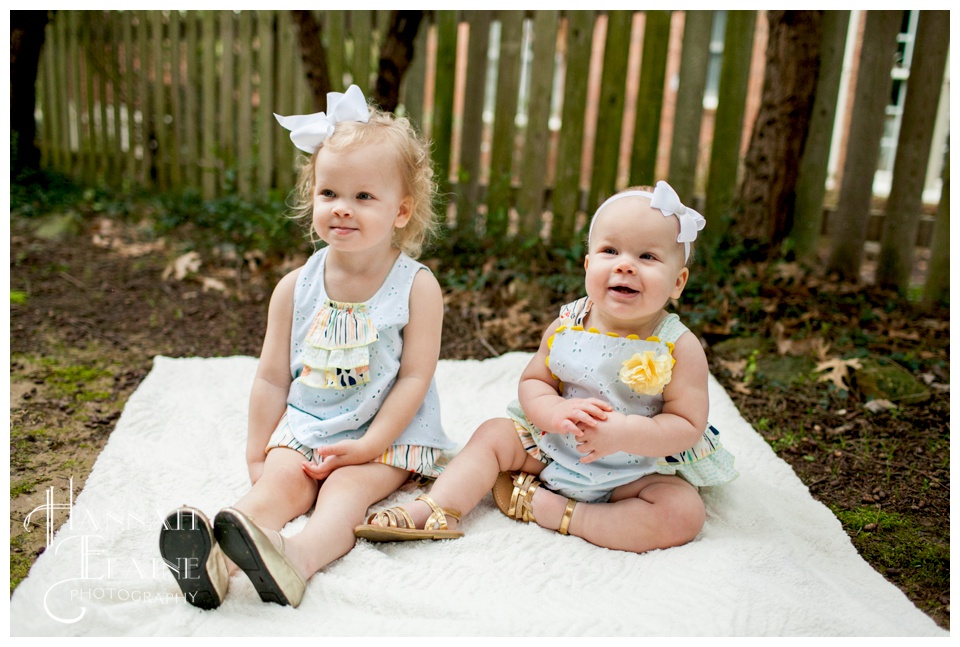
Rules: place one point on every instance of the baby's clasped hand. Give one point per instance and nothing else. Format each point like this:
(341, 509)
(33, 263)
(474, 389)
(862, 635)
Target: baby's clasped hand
(602, 438)
(573, 415)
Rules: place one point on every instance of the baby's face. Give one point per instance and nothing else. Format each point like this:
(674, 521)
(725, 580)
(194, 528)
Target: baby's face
(635, 264)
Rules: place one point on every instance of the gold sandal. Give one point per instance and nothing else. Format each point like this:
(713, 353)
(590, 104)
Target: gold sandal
(513, 494)
(395, 524)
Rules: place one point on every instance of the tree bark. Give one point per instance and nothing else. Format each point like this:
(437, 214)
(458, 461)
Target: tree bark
(902, 216)
(26, 41)
(772, 163)
(396, 54)
(314, 56)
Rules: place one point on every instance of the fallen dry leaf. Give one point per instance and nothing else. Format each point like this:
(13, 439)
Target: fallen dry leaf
(741, 387)
(837, 370)
(735, 368)
(183, 265)
(210, 283)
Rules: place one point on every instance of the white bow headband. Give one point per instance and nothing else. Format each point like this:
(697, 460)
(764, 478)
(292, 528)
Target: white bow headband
(668, 202)
(307, 132)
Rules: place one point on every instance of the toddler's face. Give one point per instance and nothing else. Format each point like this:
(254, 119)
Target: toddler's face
(359, 198)
(635, 264)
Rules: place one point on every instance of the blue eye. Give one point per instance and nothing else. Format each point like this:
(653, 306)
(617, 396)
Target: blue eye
(363, 195)
(326, 193)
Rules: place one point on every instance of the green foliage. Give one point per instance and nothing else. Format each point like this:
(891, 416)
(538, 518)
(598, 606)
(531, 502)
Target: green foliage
(17, 298)
(36, 193)
(249, 225)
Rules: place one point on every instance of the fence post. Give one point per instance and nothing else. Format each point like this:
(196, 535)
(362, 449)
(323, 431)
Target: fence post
(209, 164)
(694, 60)
(609, 126)
(533, 175)
(728, 126)
(812, 177)
(848, 230)
(653, 73)
(471, 130)
(503, 144)
(902, 216)
(566, 190)
(937, 286)
(191, 172)
(441, 129)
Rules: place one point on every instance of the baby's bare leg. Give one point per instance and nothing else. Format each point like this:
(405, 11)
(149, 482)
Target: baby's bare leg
(493, 448)
(341, 506)
(656, 511)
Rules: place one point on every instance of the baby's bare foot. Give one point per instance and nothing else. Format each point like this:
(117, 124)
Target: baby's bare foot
(548, 508)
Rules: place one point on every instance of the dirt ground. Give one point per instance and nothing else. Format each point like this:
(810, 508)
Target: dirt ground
(89, 313)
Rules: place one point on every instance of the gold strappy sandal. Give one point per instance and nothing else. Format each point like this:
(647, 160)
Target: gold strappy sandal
(395, 524)
(513, 494)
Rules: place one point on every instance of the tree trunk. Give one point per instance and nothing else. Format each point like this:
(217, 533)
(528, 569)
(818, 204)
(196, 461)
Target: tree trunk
(26, 40)
(772, 163)
(396, 54)
(848, 230)
(812, 178)
(902, 216)
(314, 56)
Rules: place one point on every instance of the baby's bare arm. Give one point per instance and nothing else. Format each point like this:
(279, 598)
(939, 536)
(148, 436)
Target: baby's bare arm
(679, 425)
(541, 401)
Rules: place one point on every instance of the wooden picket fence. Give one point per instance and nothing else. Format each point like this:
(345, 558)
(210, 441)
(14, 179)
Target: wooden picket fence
(169, 100)
(178, 100)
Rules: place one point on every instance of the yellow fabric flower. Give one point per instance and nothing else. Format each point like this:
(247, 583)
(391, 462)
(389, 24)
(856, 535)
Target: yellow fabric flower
(647, 372)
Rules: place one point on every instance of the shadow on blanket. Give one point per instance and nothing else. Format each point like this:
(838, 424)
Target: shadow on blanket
(770, 560)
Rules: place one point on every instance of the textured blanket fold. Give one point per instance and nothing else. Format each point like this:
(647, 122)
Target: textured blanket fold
(770, 560)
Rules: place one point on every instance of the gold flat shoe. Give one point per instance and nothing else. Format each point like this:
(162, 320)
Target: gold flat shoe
(272, 574)
(189, 550)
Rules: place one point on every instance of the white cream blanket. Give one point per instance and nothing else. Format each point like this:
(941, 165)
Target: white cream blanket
(770, 561)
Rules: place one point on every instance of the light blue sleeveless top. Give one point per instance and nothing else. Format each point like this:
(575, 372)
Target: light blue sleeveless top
(589, 364)
(345, 357)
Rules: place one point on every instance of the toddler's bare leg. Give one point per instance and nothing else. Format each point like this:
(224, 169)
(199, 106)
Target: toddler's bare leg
(656, 511)
(493, 448)
(341, 505)
(282, 493)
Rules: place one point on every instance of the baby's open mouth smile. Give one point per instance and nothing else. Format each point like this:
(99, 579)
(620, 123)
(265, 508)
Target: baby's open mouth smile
(623, 289)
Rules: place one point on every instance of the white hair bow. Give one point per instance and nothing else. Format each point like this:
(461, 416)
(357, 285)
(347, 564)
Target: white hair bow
(668, 202)
(307, 132)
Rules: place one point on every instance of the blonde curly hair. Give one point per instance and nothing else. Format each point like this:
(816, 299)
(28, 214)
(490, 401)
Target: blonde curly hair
(413, 157)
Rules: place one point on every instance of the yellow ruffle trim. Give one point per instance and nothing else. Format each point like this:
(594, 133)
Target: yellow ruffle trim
(646, 373)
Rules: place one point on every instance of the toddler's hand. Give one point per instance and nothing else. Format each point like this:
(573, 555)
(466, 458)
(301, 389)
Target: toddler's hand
(576, 414)
(347, 452)
(255, 469)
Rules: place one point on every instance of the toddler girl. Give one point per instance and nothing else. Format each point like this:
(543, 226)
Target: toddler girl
(616, 383)
(344, 406)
